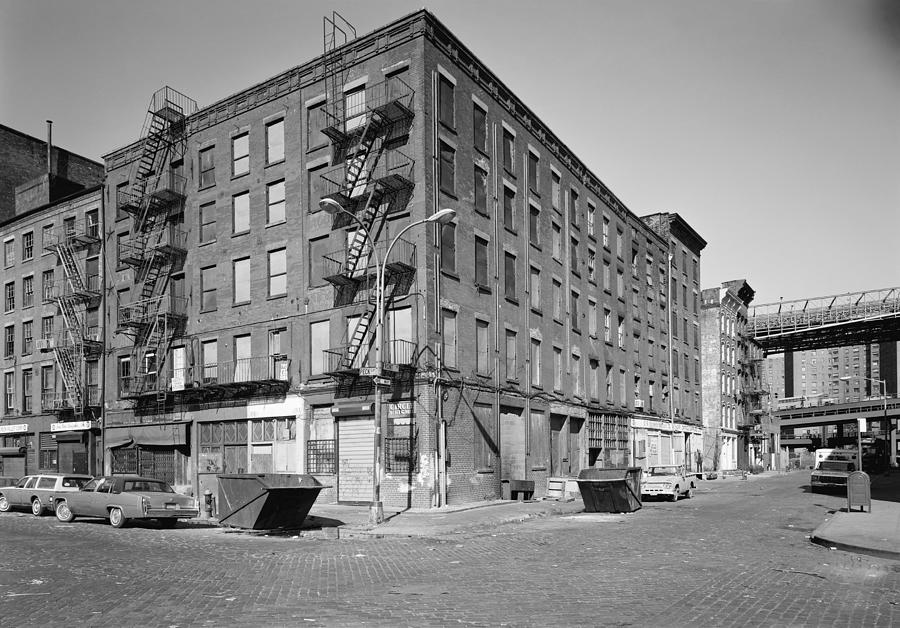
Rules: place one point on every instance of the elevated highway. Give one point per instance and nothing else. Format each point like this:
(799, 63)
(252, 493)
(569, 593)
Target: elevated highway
(870, 316)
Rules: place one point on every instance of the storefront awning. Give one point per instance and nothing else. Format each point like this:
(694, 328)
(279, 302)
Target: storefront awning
(149, 435)
(68, 437)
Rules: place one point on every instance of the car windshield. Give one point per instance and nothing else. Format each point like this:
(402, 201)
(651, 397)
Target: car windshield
(835, 465)
(663, 471)
(91, 485)
(147, 486)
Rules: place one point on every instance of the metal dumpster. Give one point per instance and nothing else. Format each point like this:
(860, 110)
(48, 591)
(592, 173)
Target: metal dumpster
(610, 490)
(266, 501)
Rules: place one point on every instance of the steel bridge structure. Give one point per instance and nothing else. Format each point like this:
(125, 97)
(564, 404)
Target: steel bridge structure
(866, 317)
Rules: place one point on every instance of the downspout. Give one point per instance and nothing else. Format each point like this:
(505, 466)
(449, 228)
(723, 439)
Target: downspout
(439, 488)
(671, 372)
(529, 454)
(498, 260)
(103, 327)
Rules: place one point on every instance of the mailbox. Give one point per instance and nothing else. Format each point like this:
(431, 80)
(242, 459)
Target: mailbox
(859, 493)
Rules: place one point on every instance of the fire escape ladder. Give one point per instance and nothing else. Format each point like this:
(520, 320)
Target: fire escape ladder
(70, 267)
(357, 340)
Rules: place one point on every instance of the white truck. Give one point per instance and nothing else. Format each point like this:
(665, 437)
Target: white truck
(833, 467)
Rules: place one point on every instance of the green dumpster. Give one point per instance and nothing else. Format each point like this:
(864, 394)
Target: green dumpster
(610, 490)
(266, 501)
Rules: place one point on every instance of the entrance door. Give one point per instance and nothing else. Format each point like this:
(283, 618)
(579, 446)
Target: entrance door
(559, 461)
(67, 457)
(512, 445)
(575, 428)
(356, 437)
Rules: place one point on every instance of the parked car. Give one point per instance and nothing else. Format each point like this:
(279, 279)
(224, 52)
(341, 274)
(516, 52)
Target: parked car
(667, 481)
(123, 497)
(39, 491)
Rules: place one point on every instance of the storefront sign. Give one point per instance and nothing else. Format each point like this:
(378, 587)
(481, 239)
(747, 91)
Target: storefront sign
(70, 426)
(400, 409)
(19, 428)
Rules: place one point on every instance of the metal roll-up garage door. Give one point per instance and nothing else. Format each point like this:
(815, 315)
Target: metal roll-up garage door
(355, 458)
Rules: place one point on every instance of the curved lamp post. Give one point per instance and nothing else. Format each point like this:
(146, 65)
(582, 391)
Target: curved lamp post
(443, 216)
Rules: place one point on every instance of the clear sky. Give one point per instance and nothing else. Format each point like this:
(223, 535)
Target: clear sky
(771, 126)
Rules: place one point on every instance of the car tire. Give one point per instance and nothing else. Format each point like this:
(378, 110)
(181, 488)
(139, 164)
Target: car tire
(675, 494)
(689, 493)
(167, 523)
(4, 503)
(117, 518)
(63, 513)
(37, 507)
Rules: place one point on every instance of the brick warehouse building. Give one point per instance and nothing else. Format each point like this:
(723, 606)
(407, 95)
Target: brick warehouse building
(519, 340)
(51, 281)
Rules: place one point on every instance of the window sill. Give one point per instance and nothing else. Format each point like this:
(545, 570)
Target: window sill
(450, 274)
(511, 230)
(447, 127)
(539, 468)
(317, 147)
(199, 189)
(449, 194)
(215, 309)
(275, 224)
(537, 310)
(240, 233)
(483, 213)
(536, 246)
(511, 173)
(275, 163)
(483, 289)
(207, 243)
(482, 151)
(484, 471)
(275, 297)
(512, 300)
(235, 177)
(534, 191)
(240, 304)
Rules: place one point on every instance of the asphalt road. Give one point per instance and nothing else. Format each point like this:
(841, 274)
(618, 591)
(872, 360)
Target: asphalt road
(736, 554)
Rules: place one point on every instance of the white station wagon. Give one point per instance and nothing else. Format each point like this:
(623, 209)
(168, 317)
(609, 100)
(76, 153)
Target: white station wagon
(38, 491)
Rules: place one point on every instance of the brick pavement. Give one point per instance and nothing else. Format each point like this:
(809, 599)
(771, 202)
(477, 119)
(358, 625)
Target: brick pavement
(737, 554)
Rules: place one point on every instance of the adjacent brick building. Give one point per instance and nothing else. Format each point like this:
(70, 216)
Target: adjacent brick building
(50, 234)
(520, 341)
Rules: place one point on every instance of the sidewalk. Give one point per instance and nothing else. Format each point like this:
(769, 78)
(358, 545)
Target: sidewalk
(877, 532)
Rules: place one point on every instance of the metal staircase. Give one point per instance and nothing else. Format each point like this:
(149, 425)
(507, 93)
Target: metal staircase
(73, 296)
(155, 246)
(367, 180)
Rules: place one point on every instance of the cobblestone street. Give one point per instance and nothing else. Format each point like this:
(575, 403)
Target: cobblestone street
(737, 554)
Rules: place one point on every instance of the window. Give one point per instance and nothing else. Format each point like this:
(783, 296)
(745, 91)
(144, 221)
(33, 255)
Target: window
(557, 368)
(319, 342)
(533, 172)
(485, 443)
(509, 208)
(315, 122)
(240, 214)
(447, 174)
(606, 233)
(26, 391)
(606, 275)
(535, 362)
(48, 387)
(621, 333)
(275, 142)
(623, 398)
(28, 291)
(479, 127)
(242, 358)
(591, 217)
(592, 265)
(481, 186)
(241, 280)
(207, 168)
(509, 151)
(576, 372)
(574, 209)
(9, 296)
(207, 222)
(354, 108)
(509, 275)
(209, 355)
(27, 246)
(449, 338)
(482, 347)
(208, 289)
(573, 310)
(9, 387)
(278, 273)
(619, 245)
(535, 288)
(592, 318)
(573, 255)
(46, 236)
(557, 300)
(481, 262)
(446, 102)
(609, 384)
(27, 337)
(687, 368)
(448, 247)
(634, 263)
(124, 375)
(47, 327)
(275, 202)
(620, 284)
(556, 234)
(240, 154)
(534, 225)
(92, 223)
(594, 382)
(555, 190)
(9, 252)
(512, 368)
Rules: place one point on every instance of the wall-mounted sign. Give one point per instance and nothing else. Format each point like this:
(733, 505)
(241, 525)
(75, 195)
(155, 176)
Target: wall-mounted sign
(19, 428)
(400, 409)
(71, 426)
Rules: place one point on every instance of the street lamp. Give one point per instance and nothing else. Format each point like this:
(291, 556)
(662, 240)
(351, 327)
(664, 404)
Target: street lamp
(885, 427)
(442, 217)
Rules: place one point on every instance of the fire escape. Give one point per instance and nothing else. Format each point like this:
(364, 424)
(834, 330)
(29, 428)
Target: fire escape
(76, 294)
(370, 179)
(156, 245)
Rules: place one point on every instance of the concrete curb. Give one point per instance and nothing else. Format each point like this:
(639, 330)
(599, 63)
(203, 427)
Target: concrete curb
(819, 538)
